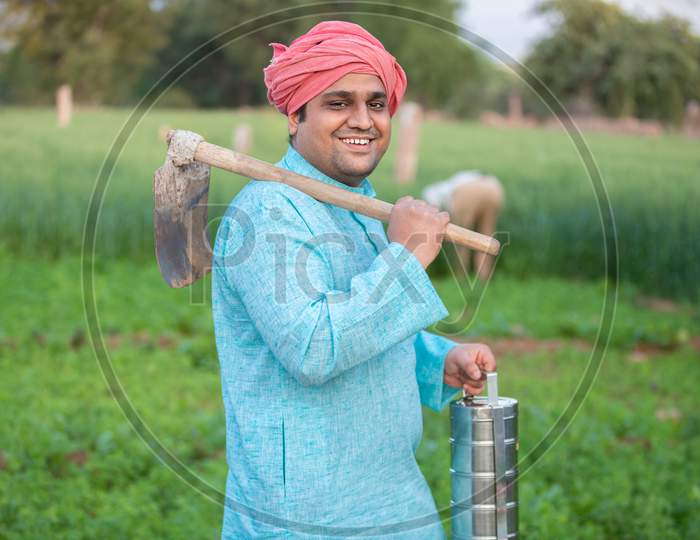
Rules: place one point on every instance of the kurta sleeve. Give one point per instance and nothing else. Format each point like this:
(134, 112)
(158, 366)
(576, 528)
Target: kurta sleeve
(431, 351)
(285, 284)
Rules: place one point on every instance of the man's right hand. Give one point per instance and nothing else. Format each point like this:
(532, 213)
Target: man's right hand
(420, 227)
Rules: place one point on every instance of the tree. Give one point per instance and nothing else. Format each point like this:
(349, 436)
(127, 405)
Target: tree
(214, 63)
(114, 52)
(232, 74)
(624, 65)
(99, 48)
(438, 66)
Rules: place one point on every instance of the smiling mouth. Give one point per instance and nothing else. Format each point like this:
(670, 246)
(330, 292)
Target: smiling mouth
(356, 142)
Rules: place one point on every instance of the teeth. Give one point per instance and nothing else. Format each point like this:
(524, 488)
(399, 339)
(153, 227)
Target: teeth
(356, 141)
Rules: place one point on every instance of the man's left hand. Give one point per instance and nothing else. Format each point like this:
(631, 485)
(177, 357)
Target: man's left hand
(466, 364)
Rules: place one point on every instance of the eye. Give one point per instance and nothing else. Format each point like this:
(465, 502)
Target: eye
(337, 104)
(377, 105)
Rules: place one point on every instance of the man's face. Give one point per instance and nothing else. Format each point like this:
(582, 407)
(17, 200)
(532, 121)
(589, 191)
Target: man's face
(354, 107)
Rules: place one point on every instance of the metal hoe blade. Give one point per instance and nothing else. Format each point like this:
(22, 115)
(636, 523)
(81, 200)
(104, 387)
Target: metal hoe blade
(180, 216)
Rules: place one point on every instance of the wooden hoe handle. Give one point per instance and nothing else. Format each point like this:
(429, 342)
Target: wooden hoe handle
(245, 165)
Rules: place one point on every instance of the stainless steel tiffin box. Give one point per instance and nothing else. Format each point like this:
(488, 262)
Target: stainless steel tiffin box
(483, 470)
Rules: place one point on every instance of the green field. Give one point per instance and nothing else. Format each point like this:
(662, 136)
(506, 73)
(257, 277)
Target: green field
(72, 467)
(552, 217)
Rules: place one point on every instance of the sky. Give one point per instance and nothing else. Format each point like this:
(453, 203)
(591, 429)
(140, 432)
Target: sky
(510, 25)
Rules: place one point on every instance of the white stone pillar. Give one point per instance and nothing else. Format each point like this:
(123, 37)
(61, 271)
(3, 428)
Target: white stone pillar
(64, 105)
(243, 138)
(410, 117)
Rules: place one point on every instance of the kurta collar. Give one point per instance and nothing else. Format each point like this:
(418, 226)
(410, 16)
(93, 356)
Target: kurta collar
(295, 162)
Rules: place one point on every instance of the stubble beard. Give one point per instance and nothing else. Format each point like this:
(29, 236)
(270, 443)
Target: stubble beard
(353, 171)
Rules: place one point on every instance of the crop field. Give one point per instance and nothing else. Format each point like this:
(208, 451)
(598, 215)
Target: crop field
(552, 217)
(73, 467)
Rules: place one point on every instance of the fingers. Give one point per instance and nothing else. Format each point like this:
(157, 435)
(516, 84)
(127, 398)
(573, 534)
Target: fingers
(474, 361)
(473, 390)
(418, 226)
(485, 359)
(468, 378)
(443, 217)
(482, 361)
(472, 370)
(420, 203)
(471, 385)
(417, 206)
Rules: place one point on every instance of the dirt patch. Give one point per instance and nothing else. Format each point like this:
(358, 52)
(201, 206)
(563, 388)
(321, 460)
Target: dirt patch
(77, 340)
(113, 340)
(637, 357)
(643, 351)
(166, 341)
(39, 338)
(668, 413)
(525, 345)
(141, 339)
(79, 457)
(8, 344)
(630, 440)
(517, 345)
(662, 305)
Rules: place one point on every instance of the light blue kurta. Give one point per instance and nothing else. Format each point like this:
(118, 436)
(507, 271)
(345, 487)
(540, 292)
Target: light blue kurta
(324, 365)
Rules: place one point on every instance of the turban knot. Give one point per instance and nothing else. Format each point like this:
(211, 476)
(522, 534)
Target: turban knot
(326, 53)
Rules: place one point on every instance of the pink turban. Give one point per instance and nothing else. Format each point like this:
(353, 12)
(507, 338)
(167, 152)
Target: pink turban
(326, 53)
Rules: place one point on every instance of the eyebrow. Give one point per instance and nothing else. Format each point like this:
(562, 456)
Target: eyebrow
(345, 94)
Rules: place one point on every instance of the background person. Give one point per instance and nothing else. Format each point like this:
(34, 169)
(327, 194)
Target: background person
(474, 201)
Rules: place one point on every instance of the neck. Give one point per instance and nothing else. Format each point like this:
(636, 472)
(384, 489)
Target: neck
(352, 182)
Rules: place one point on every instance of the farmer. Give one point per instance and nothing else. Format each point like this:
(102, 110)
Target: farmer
(473, 200)
(319, 316)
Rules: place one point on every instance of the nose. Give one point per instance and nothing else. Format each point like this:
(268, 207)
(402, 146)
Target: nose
(360, 118)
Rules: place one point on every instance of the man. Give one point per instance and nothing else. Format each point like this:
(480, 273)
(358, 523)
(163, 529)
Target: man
(474, 201)
(319, 316)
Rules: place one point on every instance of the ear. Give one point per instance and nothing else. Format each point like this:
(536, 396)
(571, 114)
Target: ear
(293, 123)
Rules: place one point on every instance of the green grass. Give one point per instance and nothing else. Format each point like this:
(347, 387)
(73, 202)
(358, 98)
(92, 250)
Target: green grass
(48, 175)
(71, 467)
